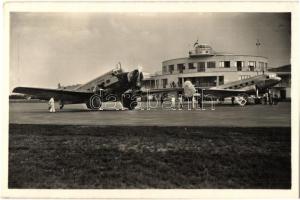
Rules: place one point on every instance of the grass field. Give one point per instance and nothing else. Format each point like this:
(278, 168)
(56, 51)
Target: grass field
(66, 156)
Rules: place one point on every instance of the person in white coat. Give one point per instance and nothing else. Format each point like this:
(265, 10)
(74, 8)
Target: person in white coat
(193, 102)
(173, 102)
(51, 105)
(180, 102)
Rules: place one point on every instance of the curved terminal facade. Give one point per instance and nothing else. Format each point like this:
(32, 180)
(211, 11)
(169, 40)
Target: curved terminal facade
(206, 68)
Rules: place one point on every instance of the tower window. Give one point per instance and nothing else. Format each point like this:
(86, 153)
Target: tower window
(164, 69)
(180, 68)
(191, 66)
(171, 68)
(201, 67)
(211, 64)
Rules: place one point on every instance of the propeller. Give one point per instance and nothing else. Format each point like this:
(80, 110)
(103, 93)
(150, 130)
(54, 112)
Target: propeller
(140, 77)
(135, 78)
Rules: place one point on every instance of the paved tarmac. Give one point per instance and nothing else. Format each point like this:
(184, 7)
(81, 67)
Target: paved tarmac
(224, 116)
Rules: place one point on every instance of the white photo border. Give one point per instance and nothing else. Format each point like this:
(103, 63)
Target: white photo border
(170, 7)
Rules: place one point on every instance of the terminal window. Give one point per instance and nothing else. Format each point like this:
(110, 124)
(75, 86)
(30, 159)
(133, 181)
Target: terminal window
(157, 83)
(191, 66)
(201, 66)
(164, 69)
(225, 64)
(165, 82)
(239, 65)
(221, 80)
(180, 68)
(207, 81)
(171, 68)
(211, 64)
(221, 64)
(261, 65)
(242, 77)
(251, 65)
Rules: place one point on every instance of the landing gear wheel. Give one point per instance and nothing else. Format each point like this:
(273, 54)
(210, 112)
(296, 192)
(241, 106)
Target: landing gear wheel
(94, 102)
(129, 101)
(242, 99)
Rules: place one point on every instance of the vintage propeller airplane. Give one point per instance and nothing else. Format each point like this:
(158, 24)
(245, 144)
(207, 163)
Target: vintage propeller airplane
(117, 85)
(114, 85)
(239, 89)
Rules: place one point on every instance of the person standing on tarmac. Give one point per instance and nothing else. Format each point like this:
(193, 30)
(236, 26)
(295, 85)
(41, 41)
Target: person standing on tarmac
(180, 102)
(275, 99)
(193, 102)
(200, 102)
(270, 98)
(232, 100)
(173, 102)
(161, 99)
(265, 99)
(51, 105)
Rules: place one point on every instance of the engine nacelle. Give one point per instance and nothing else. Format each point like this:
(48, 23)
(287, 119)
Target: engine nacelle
(189, 89)
(94, 102)
(129, 100)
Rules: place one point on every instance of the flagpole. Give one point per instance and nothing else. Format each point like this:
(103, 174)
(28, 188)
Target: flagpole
(257, 45)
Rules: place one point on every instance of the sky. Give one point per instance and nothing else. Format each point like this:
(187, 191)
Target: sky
(69, 48)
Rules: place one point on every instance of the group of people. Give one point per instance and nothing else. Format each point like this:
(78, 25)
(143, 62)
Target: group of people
(269, 98)
(193, 100)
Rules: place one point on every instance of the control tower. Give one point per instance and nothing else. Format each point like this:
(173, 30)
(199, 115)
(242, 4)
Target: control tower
(201, 50)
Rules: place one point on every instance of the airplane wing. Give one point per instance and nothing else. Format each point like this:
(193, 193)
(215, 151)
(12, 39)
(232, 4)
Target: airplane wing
(157, 91)
(58, 94)
(223, 93)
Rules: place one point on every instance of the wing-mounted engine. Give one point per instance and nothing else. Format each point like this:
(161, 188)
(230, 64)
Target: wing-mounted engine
(129, 99)
(135, 79)
(189, 89)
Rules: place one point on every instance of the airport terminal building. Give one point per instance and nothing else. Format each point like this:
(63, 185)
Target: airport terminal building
(206, 68)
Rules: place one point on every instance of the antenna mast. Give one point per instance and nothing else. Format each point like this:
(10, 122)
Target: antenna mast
(257, 45)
